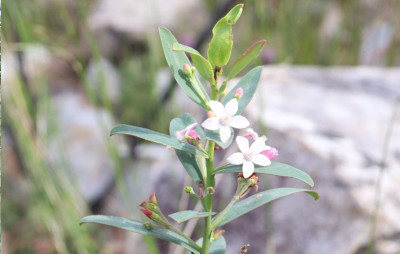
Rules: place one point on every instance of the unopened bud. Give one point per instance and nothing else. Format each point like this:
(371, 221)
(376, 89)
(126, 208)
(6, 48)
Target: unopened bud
(238, 93)
(187, 69)
(210, 114)
(189, 190)
(210, 190)
(148, 205)
(271, 153)
(146, 212)
(153, 199)
(217, 233)
(148, 225)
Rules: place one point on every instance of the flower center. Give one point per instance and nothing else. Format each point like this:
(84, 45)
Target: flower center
(224, 121)
(248, 156)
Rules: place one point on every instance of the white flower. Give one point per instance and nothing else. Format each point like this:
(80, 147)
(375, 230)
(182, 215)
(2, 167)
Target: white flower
(225, 119)
(249, 155)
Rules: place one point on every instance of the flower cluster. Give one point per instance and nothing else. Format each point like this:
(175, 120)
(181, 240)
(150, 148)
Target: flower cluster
(223, 118)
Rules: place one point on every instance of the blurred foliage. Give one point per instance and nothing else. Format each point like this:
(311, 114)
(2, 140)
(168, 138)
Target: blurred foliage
(47, 205)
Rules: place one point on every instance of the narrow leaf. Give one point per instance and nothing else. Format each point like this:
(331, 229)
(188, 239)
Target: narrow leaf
(255, 201)
(249, 84)
(137, 226)
(244, 59)
(220, 48)
(193, 89)
(156, 137)
(214, 136)
(188, 160)
(276, 168)
(216, 247)
(202, 64)
(189, 214)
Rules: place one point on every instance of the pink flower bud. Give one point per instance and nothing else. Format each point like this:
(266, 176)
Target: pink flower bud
(187, 69)
(238, 93)
(193, 134)
(146, 212)
(153, 199)
(210, 114)
(270, 153)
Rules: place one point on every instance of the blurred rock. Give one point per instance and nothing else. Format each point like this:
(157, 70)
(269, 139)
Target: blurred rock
(35, 58)
(138, 18)
(84, 144)
(376, 40)
(103, 73)
(332, 123)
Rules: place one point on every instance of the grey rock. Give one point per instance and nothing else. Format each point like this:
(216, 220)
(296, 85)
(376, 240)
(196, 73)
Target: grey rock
(331, 123)
(82, 144)
(138, 18)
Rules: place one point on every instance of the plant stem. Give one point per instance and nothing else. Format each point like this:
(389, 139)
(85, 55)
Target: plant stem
(184, 236)
(208, 198)
(222, 213)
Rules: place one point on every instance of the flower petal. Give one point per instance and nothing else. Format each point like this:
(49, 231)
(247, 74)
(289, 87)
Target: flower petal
(239, 122)
(251, 133)
(217, 107)
(248, 169)
(261, 160)
(258, 146)
(225, 133)
(211, 124)
(190, 128)
(235, 159)
(231, 107)
(242, 143)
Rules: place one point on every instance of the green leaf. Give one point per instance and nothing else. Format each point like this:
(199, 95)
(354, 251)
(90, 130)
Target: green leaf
(216, 247)
(156, 137)
(220, 48)
(202, 64)
(189, 214)
(188, 160)
(214, 136)
(192, 88)
(255, 201)
(276, 168)
(244, 59)
(137, 226)
(249, 84)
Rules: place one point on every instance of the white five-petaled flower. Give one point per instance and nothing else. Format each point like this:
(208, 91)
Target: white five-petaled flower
(249, 155)
(225, 119)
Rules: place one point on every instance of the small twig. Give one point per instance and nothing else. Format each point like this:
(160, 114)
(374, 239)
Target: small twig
(378, 190)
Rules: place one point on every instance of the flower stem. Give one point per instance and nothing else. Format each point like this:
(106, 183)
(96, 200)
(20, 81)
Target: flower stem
(208, 198)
